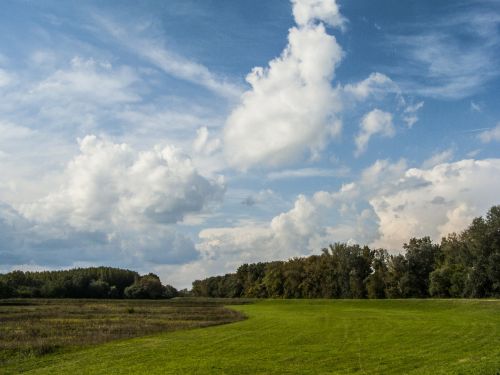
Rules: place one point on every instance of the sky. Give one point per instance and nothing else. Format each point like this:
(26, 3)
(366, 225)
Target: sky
(186, 137)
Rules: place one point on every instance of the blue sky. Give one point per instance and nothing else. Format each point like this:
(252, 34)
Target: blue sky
(187, 137)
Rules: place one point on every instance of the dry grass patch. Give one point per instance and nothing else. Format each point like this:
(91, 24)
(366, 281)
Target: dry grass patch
(41, 326)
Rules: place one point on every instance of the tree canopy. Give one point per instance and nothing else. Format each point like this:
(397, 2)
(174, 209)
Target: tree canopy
(466, 265)
(93, 282)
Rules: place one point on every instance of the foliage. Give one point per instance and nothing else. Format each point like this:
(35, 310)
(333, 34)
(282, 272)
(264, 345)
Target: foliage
(149, 286)
(93, 282)
(462, 265)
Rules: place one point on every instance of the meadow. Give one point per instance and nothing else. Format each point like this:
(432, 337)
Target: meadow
(31, 328)
(305, 337)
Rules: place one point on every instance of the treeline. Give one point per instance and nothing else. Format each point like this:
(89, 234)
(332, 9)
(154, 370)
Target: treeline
(93, 282)
(465, 265)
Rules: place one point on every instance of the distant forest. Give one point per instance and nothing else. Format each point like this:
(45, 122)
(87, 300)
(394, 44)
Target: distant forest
(464, 265)
(94, 282)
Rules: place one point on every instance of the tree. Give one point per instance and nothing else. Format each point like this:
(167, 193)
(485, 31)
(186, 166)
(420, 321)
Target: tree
(376, 281)
(148, 286)
(6, 291)
(98, 289)
(421, 257)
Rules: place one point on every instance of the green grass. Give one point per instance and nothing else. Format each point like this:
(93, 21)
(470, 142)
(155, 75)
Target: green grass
(308, 337)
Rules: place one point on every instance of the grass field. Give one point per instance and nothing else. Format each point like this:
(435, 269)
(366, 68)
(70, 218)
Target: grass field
(33, 328)
(307, 337)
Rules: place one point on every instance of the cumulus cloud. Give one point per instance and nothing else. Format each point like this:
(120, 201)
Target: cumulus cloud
(490, 135)
(203, 144)
(115, 206)
(306, 11)
(265, 196)
(28, 243)
(436, 201)
(291, 107)
(376, 83)
(305, 228)
(374, 122)
(111, 184)
(385, 207)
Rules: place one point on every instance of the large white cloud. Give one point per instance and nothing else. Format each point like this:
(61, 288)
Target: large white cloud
(115, 206)
(307, 227)
(436, 201)
(110, 184)
(386, 206)
(27, 244)
(291, 108)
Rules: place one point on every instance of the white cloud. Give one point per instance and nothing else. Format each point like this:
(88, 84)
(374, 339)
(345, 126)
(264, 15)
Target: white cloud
(266, 197)
(308, 173)
(434, 202)
(307, 11)
(31, 244)
(5, 78)
(374, 122)
(115, 206)
(381, 171)
(203, 144)
(77, 97)
(87, 79)
(375, 84)
(109, 185)
(452, 58)
(10, 132)
(438, 158)
(410, 114)
(389, 204)
(490, 135)
(169, 61)
(291, 108)
(305, 228)
(472, 154)
(43, 57)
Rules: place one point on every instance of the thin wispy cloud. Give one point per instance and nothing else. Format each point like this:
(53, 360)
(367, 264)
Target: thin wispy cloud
(474, 107)
(170, 62)
(452, 58)
(308, 173)
(490, 135)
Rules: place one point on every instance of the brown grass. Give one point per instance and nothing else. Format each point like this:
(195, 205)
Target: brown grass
(42, 326)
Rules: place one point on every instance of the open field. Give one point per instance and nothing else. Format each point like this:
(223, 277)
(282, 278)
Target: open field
(307, 337)
(32, 328)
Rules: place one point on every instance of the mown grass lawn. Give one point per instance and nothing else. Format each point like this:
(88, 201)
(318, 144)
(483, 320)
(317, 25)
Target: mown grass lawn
(309, 337)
